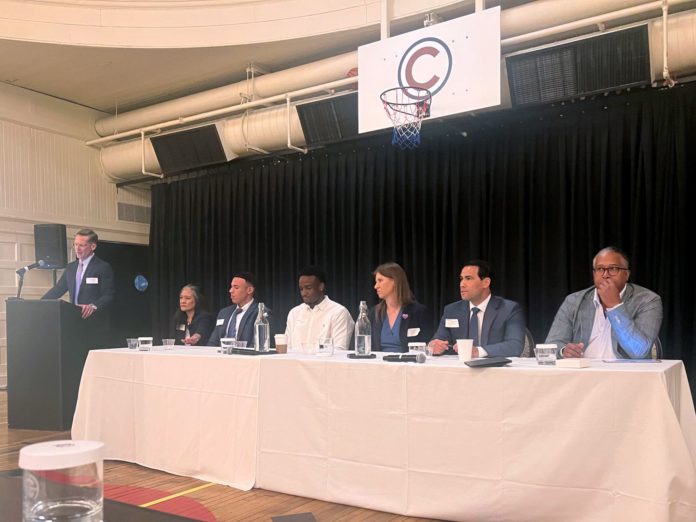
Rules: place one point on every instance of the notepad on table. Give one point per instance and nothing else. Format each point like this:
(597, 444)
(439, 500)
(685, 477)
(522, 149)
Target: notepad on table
(574, 363)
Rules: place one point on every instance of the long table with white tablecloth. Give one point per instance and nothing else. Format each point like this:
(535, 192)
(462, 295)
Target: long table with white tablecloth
(613, 442)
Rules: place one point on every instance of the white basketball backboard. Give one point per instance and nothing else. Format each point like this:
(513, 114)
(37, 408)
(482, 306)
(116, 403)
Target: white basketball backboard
(457, 60)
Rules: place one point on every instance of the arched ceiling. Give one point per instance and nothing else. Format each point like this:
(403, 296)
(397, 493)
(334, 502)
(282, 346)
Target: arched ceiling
(119, 55)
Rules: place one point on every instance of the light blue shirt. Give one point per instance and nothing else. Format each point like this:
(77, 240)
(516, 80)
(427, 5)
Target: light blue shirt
(389, 337)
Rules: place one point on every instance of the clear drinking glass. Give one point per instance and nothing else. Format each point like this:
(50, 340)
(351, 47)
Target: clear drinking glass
(417, 348)
(144, 344)
(226, 344)
(325, 347)
(168, 344)
(132, 343)
(545, 353)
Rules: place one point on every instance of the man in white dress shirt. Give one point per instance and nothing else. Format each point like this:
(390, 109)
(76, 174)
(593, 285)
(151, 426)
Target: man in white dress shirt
(318, 317)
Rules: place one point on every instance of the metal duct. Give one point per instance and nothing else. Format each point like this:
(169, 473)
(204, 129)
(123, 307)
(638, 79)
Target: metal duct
(681, 32)
(262, 130)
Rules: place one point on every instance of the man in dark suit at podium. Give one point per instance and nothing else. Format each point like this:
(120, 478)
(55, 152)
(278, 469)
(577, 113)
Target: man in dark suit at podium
(89, 280)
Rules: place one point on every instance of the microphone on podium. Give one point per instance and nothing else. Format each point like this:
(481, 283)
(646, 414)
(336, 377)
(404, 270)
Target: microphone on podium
(405, 357)
(39, 264)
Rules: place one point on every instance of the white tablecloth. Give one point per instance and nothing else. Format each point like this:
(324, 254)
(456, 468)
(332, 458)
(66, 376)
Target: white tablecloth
(442, 440)
(614, 442)
(187, 412)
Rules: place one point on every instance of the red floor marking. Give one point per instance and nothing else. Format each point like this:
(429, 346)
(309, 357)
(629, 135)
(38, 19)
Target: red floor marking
(135, 495)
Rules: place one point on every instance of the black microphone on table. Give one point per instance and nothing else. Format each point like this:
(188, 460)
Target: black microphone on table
(39, 264)
(405, 357)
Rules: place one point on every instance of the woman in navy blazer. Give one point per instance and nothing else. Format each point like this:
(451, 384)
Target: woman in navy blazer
(398, 319)
(191, 322)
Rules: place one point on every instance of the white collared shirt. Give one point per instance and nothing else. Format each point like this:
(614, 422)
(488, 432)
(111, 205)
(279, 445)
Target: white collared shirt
(326, 319)
(600, 345)
(482, 310)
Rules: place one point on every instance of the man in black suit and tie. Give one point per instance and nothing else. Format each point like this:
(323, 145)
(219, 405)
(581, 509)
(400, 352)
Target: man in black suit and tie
(88, 280)
(238, 320)
(495, 324)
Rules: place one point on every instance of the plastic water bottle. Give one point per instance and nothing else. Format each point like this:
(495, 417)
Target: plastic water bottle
(262, 330)
(363, 332)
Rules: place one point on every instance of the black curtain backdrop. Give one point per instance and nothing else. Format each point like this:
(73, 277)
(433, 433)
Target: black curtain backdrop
(536, 192)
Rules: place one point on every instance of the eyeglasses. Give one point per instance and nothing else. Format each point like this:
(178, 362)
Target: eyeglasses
(613, 270)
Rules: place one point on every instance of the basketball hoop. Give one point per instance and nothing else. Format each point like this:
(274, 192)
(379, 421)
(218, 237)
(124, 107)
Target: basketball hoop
(406, 107)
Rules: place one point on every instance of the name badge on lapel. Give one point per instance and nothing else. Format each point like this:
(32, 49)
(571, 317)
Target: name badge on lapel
(412, 332)
(181, 327)
(451, 323)
(219, 322)
(92, 280)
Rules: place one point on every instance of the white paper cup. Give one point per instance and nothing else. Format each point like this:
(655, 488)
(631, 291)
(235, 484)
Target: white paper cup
(281, 343)
(464, 348)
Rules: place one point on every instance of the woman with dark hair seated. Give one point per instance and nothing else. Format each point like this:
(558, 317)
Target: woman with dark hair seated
(192, 323)
(398, 319)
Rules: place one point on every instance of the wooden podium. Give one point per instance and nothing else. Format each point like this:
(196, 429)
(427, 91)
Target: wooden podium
(47, 344)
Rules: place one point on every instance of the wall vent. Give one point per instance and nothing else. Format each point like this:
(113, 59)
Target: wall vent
(329, 120)
(133, 213)
(188, 149)
(610, 61)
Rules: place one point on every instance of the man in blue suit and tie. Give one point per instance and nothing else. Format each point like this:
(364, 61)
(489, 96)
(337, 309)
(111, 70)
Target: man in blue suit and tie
(495, 324)
(238, 320)
(88, 280)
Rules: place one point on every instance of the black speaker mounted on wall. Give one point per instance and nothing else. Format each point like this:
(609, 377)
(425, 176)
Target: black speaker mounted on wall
(50, 244)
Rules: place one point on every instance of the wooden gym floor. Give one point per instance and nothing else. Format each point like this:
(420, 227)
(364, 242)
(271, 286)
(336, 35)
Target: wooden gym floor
(187, 496)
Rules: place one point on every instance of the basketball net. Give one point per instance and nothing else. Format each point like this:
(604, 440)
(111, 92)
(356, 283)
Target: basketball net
(406, 107)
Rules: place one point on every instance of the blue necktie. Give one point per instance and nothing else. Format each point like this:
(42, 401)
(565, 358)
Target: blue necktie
(232, 325)
(473, 326)
(78, 281)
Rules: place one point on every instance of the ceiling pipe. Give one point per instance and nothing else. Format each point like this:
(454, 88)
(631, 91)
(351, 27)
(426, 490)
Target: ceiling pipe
(385, 19)
(682, 42)
(524, 19)
(598, 20)
(225, 111)
(263, 131)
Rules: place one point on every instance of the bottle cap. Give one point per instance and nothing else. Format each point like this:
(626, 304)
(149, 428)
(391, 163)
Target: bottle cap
(60, 454)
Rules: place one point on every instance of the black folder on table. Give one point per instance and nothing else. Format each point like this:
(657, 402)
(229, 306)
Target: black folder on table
(487, 362)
